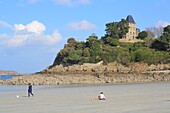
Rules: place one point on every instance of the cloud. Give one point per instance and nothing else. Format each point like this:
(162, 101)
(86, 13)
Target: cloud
(53, 38)
(30, 34)
(16, 41)
(161, 24)
(33, 27)
(3, 36)
(71, 2)
(82, 25)
(4, 24)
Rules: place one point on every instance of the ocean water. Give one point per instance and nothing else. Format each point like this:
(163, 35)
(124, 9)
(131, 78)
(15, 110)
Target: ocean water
(120, 98)
(6, 77)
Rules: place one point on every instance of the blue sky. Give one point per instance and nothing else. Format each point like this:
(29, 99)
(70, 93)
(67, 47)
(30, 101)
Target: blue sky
(33, 31)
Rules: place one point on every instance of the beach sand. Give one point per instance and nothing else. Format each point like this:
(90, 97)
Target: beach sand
(121, 98)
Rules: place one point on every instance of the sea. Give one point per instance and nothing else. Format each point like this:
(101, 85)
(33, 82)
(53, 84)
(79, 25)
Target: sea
(6, 77)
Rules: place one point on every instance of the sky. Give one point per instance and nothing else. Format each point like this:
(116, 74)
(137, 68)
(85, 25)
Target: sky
(32, 32)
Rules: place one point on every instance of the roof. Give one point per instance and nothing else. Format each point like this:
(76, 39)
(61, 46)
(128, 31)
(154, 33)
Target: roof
(130, 19)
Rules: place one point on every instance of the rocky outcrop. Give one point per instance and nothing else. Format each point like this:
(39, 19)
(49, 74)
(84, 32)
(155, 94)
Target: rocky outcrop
(95, 74)
(40, 79)
(110, 68)
(1, 81)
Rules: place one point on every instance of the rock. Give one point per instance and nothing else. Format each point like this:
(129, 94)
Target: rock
(95, 74)
(1, 81)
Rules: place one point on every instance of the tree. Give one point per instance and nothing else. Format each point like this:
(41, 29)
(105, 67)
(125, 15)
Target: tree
(111, 30)
(86, 52)
(121, 55)
(166, 29)
(108, 55)
(165, 38)
(91, 40)
(163, 42)
(158, 31)
(148, 42)
(117, 29)
(124, 58)
(80, 45)
(155, 31)
(142, 54)
(150, 33)
(71, 42)
(95, 51)
(123, 26)
(142, 35)
(112, 41)
(73, 57)
(61, 55)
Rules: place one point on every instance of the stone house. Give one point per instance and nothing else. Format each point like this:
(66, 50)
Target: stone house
(133, 31)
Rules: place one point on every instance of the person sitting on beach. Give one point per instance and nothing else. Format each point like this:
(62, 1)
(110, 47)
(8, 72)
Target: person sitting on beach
(30, 90)
(101, 96)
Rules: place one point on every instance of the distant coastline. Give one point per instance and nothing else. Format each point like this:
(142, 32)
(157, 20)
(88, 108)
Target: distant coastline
(9, 72)
(7, 77)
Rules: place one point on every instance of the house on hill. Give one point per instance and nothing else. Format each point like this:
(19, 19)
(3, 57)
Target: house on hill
(133, 31)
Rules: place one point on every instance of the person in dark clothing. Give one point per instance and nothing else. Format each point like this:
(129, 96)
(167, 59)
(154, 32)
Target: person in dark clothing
(30, 90)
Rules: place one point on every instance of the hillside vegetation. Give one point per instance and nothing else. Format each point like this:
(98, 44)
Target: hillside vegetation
(109, 49)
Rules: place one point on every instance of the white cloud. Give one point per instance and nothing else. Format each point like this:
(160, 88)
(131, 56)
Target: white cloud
(32, 33)
(4, 24)
(82, 25)
(71, 2)
(33, 27)
(16, 41)
(53, 38)
(3, 36)
(161, 24)
(19, 27)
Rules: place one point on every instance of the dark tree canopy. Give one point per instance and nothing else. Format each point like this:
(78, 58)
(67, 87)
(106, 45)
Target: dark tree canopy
(163, 42)
(142, 35)
(71, 42)
(117, 29)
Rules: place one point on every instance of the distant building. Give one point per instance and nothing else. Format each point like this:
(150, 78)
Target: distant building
(133, 31)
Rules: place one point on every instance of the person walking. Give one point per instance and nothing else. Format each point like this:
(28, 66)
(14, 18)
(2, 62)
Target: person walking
(30, 90)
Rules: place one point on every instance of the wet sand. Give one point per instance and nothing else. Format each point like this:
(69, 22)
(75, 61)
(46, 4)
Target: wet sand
(121, 98)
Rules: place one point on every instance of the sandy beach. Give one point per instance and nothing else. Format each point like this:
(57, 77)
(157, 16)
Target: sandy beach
(121, 98)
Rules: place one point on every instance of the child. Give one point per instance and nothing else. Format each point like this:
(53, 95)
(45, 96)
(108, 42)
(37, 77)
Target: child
(30, 90)
(101, 96)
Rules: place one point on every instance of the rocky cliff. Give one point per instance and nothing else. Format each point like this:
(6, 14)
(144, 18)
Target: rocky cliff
(95, 74)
